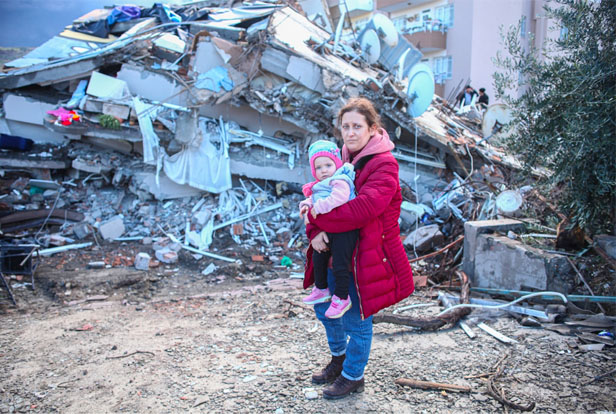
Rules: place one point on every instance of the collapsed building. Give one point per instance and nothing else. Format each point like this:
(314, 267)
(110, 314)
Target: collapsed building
(167, 124)
(224, 86)
(190, 102)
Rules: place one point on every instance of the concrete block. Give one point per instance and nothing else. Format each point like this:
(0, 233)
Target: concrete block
(118, 111)
(142, 261)
(425, 238)
(202, 216)
(112, 228)
(166, 255)
(472, 229)
(194, 239)
(503, 263)
(81, 230)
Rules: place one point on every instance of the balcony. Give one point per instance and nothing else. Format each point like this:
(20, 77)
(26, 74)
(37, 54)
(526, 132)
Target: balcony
(428, 36)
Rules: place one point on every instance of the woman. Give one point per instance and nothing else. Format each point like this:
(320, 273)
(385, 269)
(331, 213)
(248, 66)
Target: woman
(381, 274)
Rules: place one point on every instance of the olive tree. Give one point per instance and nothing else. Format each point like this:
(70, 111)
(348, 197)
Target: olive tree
(565, 115)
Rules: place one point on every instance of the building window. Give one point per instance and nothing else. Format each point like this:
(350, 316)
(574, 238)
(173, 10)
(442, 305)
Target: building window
(444, 14)
(442, 68)
(400, 23)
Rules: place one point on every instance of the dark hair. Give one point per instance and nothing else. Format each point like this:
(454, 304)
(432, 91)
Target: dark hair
(482, 90)
(364, 107)
(468, 86)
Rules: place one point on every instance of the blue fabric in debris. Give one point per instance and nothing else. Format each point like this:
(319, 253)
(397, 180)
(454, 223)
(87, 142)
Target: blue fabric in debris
(214, 79)
(78, 95)
(123, 14)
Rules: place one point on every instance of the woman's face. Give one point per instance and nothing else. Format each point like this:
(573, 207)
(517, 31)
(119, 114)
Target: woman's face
(355, 131)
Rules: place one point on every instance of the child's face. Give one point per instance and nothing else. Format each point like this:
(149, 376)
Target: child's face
(324, 167)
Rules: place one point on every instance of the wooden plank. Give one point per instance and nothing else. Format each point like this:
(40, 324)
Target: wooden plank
(427, 385)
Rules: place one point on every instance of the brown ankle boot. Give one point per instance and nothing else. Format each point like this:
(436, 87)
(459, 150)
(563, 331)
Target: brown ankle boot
(330, 372)
(342, 387)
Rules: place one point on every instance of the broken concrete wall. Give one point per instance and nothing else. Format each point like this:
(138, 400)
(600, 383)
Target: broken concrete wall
(496, 261)
(508, 264)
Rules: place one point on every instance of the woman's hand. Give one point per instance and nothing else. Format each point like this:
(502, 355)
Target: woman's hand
(319, 242)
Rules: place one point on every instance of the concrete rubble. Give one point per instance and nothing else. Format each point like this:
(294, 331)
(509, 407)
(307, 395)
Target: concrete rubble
(185, 130)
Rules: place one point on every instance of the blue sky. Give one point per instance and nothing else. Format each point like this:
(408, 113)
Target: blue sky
(29, 23)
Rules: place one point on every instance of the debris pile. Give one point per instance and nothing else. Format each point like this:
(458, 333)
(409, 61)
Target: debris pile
(184, 130)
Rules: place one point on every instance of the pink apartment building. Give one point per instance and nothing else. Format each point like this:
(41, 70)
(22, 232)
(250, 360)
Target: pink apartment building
(458, 38)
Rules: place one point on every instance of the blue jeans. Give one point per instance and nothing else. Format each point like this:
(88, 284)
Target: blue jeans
(348, 334)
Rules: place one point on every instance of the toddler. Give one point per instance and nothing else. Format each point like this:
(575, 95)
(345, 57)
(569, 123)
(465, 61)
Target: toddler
(332, 188)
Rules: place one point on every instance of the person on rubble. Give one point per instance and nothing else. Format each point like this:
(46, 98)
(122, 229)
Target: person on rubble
(467, 97)
(380, 271)
(484, 99)
(332, 188)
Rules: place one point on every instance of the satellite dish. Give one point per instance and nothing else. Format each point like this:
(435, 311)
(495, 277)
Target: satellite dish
(385, 29)
(420, 90)
(495, 116)
(400, 66)
(509, 202)
(371, 46)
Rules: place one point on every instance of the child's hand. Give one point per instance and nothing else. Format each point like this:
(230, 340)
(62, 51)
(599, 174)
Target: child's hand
(303, 211)
(314, 213)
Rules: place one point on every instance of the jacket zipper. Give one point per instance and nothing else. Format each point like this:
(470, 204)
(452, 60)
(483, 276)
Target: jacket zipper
(361, 309)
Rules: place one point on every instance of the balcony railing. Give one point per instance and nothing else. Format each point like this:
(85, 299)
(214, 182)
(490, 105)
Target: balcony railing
(433, 25)
(427, 36)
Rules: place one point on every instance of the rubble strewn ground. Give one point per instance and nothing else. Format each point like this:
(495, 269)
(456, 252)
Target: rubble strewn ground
(171, 206)
(184, 343)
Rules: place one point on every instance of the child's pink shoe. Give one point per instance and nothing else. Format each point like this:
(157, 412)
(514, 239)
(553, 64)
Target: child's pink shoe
(338, 307)
(317, 296)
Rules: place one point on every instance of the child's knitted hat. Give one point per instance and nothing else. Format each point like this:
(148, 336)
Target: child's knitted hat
(323, 148)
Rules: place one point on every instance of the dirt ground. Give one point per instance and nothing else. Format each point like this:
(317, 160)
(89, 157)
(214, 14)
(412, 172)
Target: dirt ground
(239, 340)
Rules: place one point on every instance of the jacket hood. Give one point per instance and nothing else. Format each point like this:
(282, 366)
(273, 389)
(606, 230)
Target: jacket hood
(378, 144)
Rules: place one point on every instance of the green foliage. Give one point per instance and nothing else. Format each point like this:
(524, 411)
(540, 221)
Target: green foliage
(108, 121)
(565, 120)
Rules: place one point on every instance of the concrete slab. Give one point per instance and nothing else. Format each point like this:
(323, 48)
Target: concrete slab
(206, 57)
(38, 133)
(504, 263)
(24, 109)
(151, 85)
(306, 73)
